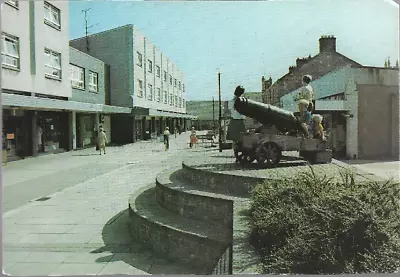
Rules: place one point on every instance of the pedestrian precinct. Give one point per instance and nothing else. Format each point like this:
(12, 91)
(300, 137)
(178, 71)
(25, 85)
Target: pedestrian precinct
(166, 138)
(102, 140)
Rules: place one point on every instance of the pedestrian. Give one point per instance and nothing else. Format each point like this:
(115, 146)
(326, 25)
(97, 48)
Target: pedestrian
(193, 138)
(39, 132)
(102, 140)
(166, 138)
(307, 93)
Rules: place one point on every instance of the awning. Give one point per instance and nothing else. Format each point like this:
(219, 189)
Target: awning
(36, 103)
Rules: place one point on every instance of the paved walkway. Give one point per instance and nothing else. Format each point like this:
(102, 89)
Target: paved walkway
(383, 169)
(82, 228)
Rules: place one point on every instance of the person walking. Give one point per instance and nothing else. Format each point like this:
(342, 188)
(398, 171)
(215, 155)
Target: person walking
(193, 138)
(102, 140)
(166, 138)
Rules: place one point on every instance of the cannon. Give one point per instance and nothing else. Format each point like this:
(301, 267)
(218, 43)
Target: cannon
(280, 131)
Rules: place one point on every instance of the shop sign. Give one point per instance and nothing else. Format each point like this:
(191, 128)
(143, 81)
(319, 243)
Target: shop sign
(10, 136)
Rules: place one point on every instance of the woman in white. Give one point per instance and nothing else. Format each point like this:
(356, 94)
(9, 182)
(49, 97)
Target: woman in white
(193, 138)
(102, 140)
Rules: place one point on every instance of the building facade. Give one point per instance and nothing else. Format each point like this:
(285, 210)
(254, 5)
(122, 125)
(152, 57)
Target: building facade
(142, 78)
(360, 106)
(327, 60)
(35, 77)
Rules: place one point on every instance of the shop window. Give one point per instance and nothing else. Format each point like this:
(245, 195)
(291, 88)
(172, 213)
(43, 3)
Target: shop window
(77, 76)
(10, 51)
(52, 64)
(52, 16)
(93, 81)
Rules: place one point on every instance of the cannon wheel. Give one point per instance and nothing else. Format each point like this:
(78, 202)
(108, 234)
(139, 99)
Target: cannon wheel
(268, 153)
(243, 157)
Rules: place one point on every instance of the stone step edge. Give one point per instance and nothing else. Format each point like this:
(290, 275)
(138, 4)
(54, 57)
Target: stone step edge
(177, 232)
(173, 196)
(132, 207)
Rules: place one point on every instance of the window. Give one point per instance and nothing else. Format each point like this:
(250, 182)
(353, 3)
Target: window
(183, 103)
(176, 101)
(183, 87)
(171, 99)
(150, 66)
(140, 59)
(180, 102)
(158, 71)
(165, 76)
(10, 51)
(140, 88)
(150, 94)
(13, 3)
(170, 80)
(165, 97)
(52, 16)
(93, 81)
(175, 83)
(179, 85)
(52, 62)
(158, 94)
(77, 76)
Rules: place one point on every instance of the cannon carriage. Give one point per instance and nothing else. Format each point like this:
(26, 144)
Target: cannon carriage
(280, 131)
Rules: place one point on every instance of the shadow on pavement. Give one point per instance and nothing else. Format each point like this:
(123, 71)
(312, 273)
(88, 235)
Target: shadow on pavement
(122, 247)
(83, 155)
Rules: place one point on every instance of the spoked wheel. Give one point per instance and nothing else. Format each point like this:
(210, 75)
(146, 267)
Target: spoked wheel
(243, 157)
(268, 154)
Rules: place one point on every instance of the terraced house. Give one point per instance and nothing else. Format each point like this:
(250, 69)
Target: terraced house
(143, 79)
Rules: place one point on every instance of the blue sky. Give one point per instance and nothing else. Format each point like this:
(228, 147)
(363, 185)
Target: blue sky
(248, 39)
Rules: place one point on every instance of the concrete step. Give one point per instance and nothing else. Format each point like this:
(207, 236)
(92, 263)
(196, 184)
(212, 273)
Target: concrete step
(199, 243)
(191, 200)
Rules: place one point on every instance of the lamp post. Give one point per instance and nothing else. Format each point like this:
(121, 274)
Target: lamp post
(213, 116)
(220, 111)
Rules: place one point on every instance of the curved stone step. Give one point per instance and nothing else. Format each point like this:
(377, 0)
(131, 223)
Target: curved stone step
(178, 238)
(177, 195)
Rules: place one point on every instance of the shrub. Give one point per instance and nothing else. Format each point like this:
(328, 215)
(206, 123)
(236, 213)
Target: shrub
(314, 225)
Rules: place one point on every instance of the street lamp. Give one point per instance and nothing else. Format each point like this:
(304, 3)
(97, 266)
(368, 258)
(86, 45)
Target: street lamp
(220, 111)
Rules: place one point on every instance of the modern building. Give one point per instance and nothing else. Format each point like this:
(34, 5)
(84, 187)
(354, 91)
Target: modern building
(327, 60)
(142, 78)
(90, 84)
(35, 77)
(360, 106)
(53, 97)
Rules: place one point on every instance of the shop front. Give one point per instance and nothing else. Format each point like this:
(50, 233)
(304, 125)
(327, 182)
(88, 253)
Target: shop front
(52, 132)
(16, 132)
(86, 130)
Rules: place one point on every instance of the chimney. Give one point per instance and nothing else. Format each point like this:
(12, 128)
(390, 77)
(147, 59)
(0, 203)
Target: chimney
(291, 69)
(327, 44)
(301, 62)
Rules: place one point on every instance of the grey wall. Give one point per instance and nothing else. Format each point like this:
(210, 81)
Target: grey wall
(88, 63)
(115, 48)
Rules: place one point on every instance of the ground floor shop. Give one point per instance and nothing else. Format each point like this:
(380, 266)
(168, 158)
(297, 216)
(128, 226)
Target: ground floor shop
(29, 132)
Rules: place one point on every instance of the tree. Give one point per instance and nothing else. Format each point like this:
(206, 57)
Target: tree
(389, 62)
(397, 64)
(386, 64)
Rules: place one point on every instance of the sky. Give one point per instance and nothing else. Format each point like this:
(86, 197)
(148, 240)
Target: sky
(245, 40)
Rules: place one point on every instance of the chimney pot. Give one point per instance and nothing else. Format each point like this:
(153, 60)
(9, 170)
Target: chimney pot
(327, 44)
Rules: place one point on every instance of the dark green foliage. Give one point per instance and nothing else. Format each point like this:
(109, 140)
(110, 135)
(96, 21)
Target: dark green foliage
(314, 225)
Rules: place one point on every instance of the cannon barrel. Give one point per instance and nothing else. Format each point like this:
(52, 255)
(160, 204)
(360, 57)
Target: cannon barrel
(266, 114)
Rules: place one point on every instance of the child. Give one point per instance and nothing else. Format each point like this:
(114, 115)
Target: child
(318, 128)
(307, 93)
(193, 138)
(305, 117)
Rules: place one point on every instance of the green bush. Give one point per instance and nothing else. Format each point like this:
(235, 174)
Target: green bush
(314, 225)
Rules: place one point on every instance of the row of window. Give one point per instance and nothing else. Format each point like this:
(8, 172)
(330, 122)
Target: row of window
(179, 102)
(11, 59)
(158, 72)
(52, 15)
(10, 56)
(77, 75)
